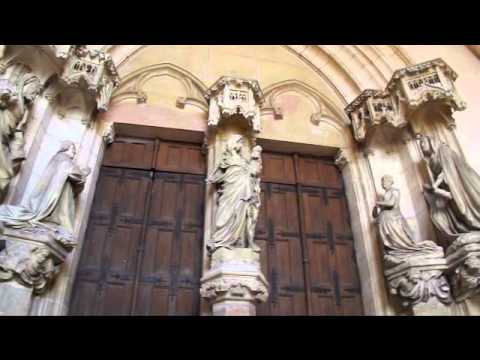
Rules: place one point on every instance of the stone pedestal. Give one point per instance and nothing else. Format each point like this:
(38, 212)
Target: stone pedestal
(420, 283)
(234, 283)
(463, 259)
(28, 266)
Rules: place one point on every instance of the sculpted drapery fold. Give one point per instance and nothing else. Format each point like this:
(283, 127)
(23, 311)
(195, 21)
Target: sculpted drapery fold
(238, 202)
(454, 192)
(51, 206)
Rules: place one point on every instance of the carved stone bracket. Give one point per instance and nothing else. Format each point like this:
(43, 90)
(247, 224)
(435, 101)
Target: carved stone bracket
(341, 159)
(234, 277)
(109, 134)
(92, 71)
(235, 96)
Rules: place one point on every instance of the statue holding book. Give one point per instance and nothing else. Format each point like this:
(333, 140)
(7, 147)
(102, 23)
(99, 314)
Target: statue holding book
(454, 190)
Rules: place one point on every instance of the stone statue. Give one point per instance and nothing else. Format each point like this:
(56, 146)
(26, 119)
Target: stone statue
(16, 93)
(51, 205)
(454, 192)
(397, 236)
(414, 270)
(238, 183)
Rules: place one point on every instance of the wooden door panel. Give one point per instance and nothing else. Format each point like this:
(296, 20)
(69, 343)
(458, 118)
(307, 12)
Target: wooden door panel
(289, 304)
(315, 172)
(132, 197)
(90, 267)
(108, 190)
(162, 242)
(319, 253)
(323, 304)
(137, 154)
(164, 200)
(181, 158)
(278, 168)
(115, 299)
(85, 296)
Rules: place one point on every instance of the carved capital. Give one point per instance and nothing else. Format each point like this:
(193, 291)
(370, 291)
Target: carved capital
(235, 96)
(92, 71)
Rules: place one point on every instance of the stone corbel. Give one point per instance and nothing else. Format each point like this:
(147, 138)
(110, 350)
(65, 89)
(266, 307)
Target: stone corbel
(231, 96)
(342, 158)
(109, 134)
(92, 71)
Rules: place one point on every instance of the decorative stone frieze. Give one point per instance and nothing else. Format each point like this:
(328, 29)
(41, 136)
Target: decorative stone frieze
(234, 282)
(235, 96)
(92, 71)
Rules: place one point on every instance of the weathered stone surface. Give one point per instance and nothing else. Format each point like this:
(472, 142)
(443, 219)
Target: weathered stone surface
(234, 281)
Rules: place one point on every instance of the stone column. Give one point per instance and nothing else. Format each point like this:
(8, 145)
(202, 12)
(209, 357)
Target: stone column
(232, 281)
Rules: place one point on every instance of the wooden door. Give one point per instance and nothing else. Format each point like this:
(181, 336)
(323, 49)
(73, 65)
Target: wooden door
(304, 232)
(143, 245)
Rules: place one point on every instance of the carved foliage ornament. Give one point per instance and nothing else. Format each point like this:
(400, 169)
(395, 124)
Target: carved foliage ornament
(233, 288)
(230, 96)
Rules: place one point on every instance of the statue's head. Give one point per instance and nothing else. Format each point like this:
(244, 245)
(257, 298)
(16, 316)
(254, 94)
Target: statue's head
(68, 147)
(387, 182)
(426, 144)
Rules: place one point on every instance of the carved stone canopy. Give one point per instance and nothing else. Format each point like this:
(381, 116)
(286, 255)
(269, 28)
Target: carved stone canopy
(93, 71)
(372, 108)
(431, 82)
(230, 96)
(425, 82)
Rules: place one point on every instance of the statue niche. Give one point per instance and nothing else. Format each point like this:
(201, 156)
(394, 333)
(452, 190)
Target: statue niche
(238, 188)
(17, 92)
(51, 205)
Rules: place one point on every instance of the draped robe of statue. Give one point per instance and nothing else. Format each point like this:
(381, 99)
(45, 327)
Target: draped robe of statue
(13, 112)
(236, 193)
(461, 214)
(397, 236)
(52, 202)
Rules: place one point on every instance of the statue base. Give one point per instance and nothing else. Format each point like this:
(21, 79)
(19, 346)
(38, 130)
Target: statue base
(28, 265)
(420, 283)
(234, 283)
(463, 259)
